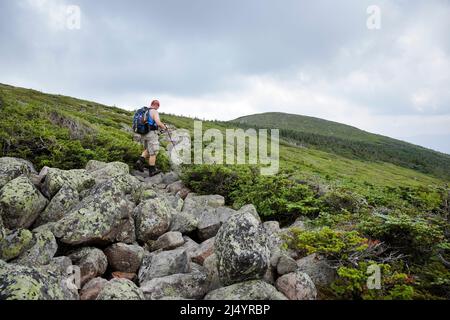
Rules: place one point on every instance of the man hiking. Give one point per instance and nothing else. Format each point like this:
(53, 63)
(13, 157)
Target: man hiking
(150, 140)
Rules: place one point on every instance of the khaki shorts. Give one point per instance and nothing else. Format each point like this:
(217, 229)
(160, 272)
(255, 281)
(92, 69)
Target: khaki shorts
(150, 141)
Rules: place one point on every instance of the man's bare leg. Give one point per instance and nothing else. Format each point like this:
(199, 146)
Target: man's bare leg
(145, 154)
(152, 160)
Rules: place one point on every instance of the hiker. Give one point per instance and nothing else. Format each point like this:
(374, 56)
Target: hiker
(149, 123)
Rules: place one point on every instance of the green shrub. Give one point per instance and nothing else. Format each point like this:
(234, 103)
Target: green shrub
(341, 199)
(162, 161)
(218, 179)
(278, 197)
(412, 235)
(335, 244)
(352, 283)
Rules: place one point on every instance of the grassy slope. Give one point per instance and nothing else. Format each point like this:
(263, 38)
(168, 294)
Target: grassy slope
(351, 142)
(27, 131)
(313, 163)
(62, 131)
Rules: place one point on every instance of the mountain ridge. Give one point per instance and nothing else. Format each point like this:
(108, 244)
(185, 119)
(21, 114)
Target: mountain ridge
(239, 119)
(350, 141)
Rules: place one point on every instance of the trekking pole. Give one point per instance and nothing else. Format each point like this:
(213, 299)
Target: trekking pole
(170, 137)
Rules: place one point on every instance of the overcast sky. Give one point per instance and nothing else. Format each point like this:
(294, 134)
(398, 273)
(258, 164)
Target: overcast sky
(224, 59)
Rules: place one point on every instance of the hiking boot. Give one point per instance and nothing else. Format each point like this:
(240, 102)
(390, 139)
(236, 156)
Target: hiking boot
(140, 164)
(152, 171)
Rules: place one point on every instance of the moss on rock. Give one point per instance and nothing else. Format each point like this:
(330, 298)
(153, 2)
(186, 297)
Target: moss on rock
(14, 244)
(20, 203)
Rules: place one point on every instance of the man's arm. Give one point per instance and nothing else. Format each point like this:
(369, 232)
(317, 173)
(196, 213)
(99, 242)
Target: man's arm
(155, 116)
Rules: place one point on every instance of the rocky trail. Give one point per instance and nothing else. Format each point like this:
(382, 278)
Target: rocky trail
(105, 233)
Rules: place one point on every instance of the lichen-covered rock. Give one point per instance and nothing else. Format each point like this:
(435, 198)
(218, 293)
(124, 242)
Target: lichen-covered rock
(101, 217)
(102, 171)
(286, 265)
(55, 178)
(120, 289)
(204, 250)
(193, 285)
(124, 257)
(210, 219)
(318, 269)
(14, 243)
(249, 290)
(28, 283)
(60, 265)
(20, 203)
(184, 222)
(250, 209)
(241, 248)
(126, 185)
(170, 177)
(168, 241)
(11, 168)
(147, 194)
(92, 262)
(175, 187)
(155, 180)
(152, 218)
(174, 201)
(92, 288)
(164, 263)
(210, 264)
(271, 227)
(41, 250)
(190, 246)
(297, 286)
(194, 203)
(59, 206)
(127, 232)
(208, 224)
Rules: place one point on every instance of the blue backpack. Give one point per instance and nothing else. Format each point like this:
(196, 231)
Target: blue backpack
(142, 122)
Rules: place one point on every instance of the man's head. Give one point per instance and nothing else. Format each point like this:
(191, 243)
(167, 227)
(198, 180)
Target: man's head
(154, 104)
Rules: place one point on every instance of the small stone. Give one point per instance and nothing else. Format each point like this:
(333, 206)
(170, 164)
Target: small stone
(170, 178)
(120, 289)
(318, 269)
(164, 263)
(184, 222)
(286, 265)
(92, 262)
(297, 286)
(168, 241)
(205, 249)
(124, 257)
(249, 290)
(91, 289)
(193, 285)
(175, 187)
